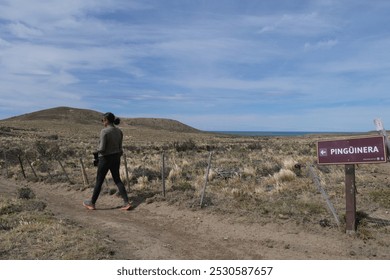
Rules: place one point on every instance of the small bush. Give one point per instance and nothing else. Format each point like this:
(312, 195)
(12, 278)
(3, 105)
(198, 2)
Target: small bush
(25, 193)
(188, 145)
(184, 186)
(149, 174)
(47, 150)
(382, 197)
(285, 175)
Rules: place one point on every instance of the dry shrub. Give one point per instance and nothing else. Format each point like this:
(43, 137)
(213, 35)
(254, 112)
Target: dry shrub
(284, 175)
(141, 171)
(175, 173)
(25, 193)
(248, 172)
(187, 145)
(382, 197)
(268, 168)
(212, 175)
(142, 181)
(289, 163)
(47, 150)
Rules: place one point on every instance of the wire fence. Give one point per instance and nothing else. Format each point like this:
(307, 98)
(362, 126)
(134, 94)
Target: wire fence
(155, 166)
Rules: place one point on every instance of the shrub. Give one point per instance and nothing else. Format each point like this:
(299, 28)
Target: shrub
(48, 150)
(284, 175)
(188, 145)
(25, 193)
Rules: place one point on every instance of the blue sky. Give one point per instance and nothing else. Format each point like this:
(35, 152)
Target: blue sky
(273, 65)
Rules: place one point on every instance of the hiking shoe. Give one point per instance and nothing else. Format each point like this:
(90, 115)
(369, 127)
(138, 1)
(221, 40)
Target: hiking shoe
(126, 207)
(89, 205)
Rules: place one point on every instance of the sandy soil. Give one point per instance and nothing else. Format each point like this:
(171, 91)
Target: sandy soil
(160, 231)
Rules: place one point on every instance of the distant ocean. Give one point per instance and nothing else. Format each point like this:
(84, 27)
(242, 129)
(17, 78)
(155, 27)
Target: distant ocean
(278, 133)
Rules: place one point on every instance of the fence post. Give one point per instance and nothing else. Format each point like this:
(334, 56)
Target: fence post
(32, 168)
(127, 172)
(5, 164)
(205, 180)
(324, 194)
(84, 174)
(163, 173)
(21, 166)
(47, 168)
(350, 198)
(63, 169)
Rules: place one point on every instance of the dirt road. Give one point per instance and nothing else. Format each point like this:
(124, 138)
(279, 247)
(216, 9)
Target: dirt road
(161, 231)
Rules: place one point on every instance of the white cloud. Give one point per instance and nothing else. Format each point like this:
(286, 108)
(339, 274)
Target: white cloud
(245, 59)
(327, 44)
(292, 24)
(45, 11)
(4, 43)
(23, 31)
(364, 56)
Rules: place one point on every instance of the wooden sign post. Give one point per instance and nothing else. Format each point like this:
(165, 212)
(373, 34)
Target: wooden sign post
(370, 149)
(350, 199)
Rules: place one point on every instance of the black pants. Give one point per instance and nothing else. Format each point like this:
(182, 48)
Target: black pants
(106, 163)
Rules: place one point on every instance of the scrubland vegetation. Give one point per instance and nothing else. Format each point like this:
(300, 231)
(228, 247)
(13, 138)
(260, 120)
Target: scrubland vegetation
(255, 179)
(28, 231)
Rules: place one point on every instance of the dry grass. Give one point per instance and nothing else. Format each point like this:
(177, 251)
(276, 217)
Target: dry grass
(29, 232)
(257, 178)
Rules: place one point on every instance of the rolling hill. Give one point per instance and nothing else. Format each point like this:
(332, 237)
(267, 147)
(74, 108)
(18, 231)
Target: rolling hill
(85, 116)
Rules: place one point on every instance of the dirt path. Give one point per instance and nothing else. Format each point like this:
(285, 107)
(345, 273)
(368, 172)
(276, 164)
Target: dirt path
(160, 231)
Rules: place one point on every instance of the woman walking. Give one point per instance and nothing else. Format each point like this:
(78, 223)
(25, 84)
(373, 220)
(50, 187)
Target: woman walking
(109, 152)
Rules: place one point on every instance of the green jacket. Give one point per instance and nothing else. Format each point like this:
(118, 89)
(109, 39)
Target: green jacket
(110, 142)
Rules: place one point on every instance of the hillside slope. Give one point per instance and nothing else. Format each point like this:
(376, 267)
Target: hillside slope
(85, 116)
(82, 116)
(156, 123)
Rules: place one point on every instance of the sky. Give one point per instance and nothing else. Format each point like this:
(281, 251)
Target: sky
(249, 65)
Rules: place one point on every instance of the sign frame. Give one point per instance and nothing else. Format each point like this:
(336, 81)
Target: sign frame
(378, 154)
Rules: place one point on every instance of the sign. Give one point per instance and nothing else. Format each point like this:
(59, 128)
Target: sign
(379, 125)
(352, 151)
(380, 128)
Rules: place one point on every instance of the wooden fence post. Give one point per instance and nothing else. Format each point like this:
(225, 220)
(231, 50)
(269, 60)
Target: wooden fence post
(47, 167)
(21, 166)
(32, 168)
(63, 169)
(205, 180)
(5, 164)
(84, 174)
(350, 198)
(163, 173)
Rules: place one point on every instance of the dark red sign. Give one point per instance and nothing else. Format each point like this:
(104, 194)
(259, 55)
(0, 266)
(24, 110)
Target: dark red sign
(350, 151)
